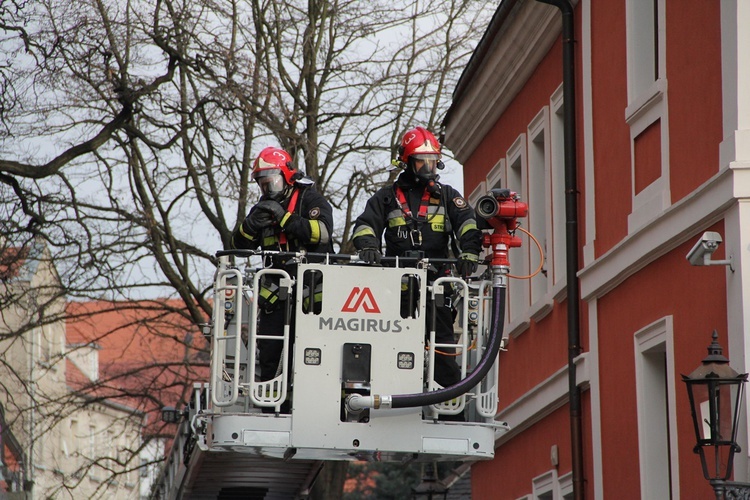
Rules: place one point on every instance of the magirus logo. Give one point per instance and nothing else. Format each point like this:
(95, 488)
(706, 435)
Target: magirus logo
(360, 325)
(360, 298)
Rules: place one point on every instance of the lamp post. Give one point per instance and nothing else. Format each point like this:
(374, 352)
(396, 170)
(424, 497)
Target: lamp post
(715, 391)
(430, 488)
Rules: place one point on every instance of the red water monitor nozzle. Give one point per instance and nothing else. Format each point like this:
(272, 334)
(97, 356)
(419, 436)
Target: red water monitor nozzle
(501, 209)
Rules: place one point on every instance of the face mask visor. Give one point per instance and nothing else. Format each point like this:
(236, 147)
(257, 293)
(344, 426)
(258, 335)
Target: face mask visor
(425, 165)
(271, 182)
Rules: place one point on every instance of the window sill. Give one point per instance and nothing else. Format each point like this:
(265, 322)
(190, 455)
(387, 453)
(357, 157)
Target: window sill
(541, 308)
(642, 112)
(538, 311)
(559, 290)
(642, 107)
(517, 327)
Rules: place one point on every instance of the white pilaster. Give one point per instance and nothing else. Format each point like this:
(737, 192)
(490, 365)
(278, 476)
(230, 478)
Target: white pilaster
(735, 156)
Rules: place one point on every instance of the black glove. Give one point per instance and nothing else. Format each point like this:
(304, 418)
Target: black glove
(467, 264)
(257, 220)
(370, 255)
(272, 207)
(294, 225)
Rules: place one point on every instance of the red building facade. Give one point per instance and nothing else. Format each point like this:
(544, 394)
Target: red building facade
(662, 155)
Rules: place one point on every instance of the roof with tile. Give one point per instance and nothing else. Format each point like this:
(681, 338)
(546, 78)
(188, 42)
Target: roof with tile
(149, 354)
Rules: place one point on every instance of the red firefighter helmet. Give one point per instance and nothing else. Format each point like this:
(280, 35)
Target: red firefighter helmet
(421, 151)
(273, 171)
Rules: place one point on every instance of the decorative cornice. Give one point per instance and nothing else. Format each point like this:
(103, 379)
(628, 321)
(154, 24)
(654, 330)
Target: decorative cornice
(703, 207)
(542, 400)
(516, 50)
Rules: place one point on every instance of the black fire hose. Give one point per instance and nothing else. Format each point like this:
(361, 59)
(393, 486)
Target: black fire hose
(357, 402)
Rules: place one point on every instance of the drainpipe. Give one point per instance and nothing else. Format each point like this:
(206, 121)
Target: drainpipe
(571, 239)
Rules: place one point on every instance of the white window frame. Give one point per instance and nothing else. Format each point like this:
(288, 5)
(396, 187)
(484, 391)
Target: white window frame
(653, 432)
(549, 482)
(478, 192)
(557, 178)
(566, 485)
(518, 289)
(641, 49)
(497, 177)
(646, 105)
(539, 218)
(545, 484)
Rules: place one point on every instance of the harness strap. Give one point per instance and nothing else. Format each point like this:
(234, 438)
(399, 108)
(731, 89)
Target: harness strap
(290, 209)
(423, 205)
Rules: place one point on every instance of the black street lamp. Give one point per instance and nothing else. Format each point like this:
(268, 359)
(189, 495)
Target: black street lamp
(430, 488)
(715, 391)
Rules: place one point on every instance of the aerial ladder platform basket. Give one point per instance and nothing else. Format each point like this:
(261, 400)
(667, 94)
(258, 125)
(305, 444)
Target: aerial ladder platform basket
(355, 379)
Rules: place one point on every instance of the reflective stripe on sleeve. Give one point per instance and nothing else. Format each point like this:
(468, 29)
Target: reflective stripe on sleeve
(244, 234)
(467, 226)
(324, 237)
(314, 231)
(363, 231)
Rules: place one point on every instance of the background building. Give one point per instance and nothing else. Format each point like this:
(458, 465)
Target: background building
(83, 384)
(660, 154)
(71, 439)
(147, 356)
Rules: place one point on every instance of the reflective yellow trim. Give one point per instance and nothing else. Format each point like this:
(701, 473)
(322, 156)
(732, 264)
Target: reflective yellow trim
(267, 294)
(469, 256)
(317, 299)
(467, 227)
(314, 231)
(271, 240)
(365, 231)
(396, 221)
(437, 222)
(248, 236)
(285, 218)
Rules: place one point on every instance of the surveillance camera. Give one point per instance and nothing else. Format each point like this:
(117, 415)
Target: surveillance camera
(700, 254)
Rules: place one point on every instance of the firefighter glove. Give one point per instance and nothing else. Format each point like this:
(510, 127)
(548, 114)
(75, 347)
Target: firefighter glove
(272, 207)
(467, 264)
(259, 220)
(370, 255)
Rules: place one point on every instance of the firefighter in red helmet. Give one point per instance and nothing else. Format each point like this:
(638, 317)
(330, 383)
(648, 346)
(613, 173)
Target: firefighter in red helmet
(290, 216)
(419, 152)
(418, 214)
